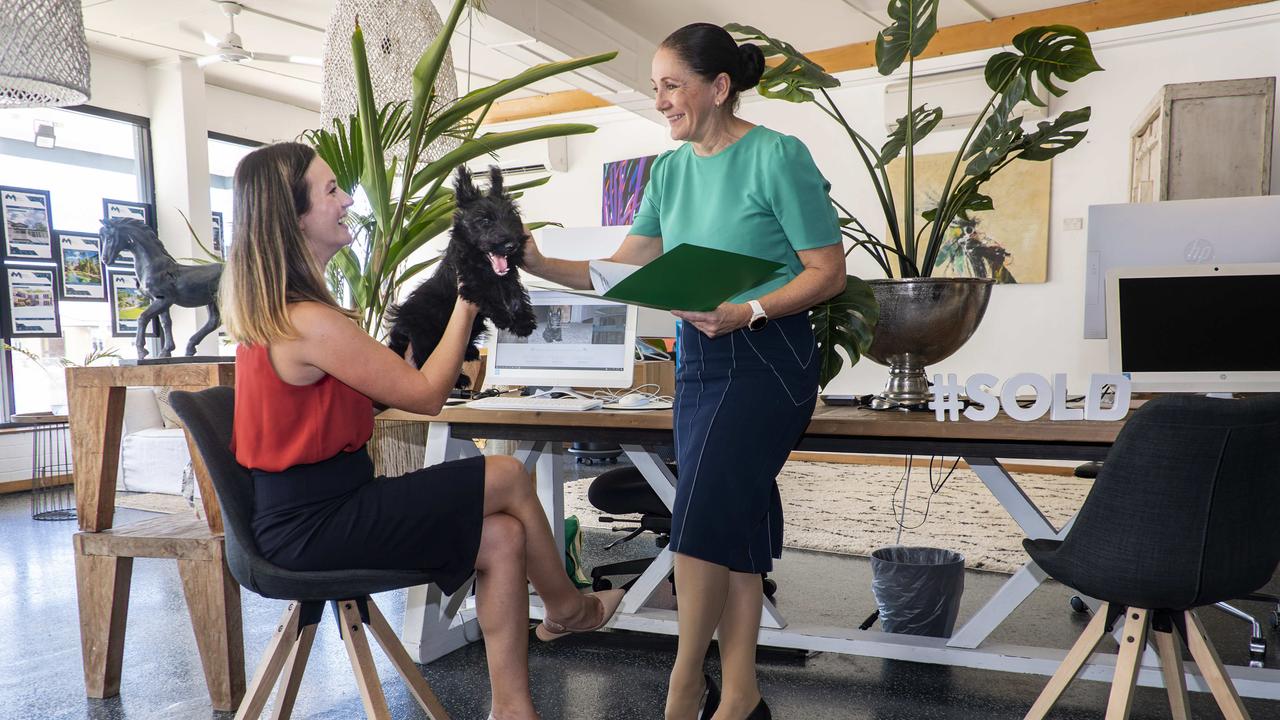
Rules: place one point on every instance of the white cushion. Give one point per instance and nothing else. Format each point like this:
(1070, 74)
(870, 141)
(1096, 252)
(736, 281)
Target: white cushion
(152, 460)
(141, 411)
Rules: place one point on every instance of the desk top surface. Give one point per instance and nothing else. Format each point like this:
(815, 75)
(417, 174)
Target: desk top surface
(828, 420)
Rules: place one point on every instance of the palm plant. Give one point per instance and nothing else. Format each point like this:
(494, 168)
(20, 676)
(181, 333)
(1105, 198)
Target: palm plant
(1047, 54)
(402, 221)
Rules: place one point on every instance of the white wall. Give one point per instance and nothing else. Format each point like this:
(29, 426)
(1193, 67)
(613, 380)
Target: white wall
(1027, 328)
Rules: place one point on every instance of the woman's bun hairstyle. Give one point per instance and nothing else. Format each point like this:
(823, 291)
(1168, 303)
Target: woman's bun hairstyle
(750, 67)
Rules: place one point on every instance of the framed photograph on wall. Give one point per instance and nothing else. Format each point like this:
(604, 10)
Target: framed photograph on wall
(127, 302)
(30, 302)
(79, 261)
(219, 248)
(27, 224)
(127, 209)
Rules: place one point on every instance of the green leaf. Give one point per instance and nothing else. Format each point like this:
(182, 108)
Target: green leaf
(914, 24)
(794, 78)
(996, 150)
(1001, 119)
(846, 321)
(1048, 52)
(1052, 138)
(923, 122)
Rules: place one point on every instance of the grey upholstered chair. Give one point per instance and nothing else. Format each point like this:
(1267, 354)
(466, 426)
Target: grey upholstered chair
(207, 416)
(1183, 514)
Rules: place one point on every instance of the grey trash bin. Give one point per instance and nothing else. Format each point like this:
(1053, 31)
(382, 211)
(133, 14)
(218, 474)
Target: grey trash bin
(917, 589)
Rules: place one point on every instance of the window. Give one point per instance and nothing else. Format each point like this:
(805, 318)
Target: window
(225, 152)
(79, 156)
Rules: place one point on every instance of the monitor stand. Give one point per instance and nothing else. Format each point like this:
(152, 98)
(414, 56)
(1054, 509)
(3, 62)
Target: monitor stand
(1220, 395)
(560, 391)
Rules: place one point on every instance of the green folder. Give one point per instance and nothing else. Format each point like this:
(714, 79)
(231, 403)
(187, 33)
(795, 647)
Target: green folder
(692, 277)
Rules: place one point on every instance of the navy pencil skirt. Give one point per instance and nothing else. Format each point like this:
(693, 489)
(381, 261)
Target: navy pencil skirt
(743, 400)
(335, 515)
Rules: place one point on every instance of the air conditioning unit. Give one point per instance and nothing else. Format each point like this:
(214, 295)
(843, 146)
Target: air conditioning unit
(541, 156)
(961, 94)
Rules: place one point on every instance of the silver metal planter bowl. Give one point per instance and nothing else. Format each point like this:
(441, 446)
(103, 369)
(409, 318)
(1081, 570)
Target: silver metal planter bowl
(922, 321)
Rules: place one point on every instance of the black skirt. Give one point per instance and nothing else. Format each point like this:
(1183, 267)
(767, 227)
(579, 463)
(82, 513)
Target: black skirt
(335, 515)
(743, 401)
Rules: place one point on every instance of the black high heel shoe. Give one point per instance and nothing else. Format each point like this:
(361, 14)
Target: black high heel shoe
(761, 712)
(710, 698)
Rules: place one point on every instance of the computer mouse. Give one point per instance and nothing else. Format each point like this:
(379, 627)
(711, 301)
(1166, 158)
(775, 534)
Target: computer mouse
(633, 400)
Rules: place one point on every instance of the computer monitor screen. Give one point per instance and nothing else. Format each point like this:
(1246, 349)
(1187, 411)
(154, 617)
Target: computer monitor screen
(1217, 231)
(579, 342)
(1196, 329)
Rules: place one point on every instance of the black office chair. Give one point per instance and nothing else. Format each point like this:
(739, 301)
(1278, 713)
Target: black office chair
(624, 491)
(207, 416)
(1182, 515)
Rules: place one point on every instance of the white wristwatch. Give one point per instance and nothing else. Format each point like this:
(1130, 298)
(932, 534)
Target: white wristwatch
(758, 318)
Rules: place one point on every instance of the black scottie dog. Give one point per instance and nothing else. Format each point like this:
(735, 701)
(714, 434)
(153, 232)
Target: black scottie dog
(482, 262)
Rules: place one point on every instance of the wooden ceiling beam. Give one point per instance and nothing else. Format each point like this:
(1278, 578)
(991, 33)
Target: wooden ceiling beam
(951, 40)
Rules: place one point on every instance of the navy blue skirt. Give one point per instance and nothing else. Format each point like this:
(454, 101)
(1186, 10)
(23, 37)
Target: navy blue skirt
(335, 515)
(743, 401)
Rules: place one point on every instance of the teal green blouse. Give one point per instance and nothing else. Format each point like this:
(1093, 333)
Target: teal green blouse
(762, 196)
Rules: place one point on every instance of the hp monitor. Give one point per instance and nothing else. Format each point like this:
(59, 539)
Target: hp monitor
(579, 342)
(1196, 328)
(1202, 233)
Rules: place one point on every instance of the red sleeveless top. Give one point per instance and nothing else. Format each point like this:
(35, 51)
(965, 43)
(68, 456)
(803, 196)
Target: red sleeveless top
(278, 425)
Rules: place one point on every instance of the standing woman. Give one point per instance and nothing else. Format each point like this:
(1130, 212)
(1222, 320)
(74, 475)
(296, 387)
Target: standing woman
(748, 371)
(306, 380)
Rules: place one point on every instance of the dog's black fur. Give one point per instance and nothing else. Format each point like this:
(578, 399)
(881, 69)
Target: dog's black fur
(488, 237)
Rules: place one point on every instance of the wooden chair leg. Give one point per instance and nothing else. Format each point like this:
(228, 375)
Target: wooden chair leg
(1215, 675)
(102, 587)
(264, 678)
(353, 635)
(390, 643)
(1128, 662)
(213, 600)
(1071, 664)
(1175, 680)
(292, 677)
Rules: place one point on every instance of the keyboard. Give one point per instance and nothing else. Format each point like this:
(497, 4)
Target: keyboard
(540, 404)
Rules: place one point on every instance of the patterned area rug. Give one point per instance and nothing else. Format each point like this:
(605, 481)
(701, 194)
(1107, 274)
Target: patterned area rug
(853, 509)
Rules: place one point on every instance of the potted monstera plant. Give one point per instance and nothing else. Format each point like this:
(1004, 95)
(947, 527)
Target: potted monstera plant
(403, 219)
(924, 319)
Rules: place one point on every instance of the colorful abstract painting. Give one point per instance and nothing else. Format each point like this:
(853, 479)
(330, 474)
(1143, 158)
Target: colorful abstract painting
(624, 183)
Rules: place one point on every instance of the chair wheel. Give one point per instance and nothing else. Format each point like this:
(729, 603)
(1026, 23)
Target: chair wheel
(1275, 620)
(770, 588)
(601, 584)
(1078, 604)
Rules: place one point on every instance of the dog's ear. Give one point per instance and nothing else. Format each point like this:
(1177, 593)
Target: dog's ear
(464, 190)
(495, 180)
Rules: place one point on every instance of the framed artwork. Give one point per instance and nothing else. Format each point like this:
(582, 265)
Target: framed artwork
(80, 266)
(30, 302)
(127, 209)
(624, 183)
(127, 302)
(219, 248)
(27, 224)
(1010, 242)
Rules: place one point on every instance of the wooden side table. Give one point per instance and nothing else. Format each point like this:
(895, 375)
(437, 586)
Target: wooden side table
(104, 554)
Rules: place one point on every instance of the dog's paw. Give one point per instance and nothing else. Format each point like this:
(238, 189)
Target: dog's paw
(463, 381)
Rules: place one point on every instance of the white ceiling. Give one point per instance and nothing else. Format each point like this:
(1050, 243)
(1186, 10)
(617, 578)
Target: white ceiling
(149, 30)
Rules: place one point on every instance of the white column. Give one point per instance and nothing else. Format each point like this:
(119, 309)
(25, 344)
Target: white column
(180, 153)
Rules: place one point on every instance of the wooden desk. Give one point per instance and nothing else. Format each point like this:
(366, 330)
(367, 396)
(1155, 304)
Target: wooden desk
(435, 624)
(104, 554)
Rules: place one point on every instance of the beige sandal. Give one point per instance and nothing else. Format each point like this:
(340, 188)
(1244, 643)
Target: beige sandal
(609, 599)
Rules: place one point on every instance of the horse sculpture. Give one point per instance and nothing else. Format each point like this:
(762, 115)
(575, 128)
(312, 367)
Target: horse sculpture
(163, 280)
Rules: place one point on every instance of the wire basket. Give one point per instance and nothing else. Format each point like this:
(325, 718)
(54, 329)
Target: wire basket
(53, 495)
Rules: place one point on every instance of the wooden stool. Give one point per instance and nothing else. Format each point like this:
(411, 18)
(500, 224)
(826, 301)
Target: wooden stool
(104, 555)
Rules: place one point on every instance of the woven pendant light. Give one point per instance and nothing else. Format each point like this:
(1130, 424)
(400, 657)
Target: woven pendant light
(396, 32)
(44, 59)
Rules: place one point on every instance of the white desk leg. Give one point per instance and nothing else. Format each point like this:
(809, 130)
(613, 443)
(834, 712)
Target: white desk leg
(433, 626)
(550, 471)
(1000, 606)
(527, 454)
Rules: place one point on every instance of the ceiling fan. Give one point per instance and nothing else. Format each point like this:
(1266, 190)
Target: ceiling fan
(230, 48)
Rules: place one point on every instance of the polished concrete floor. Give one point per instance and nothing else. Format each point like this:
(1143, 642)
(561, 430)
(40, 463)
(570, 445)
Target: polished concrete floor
(604, 675)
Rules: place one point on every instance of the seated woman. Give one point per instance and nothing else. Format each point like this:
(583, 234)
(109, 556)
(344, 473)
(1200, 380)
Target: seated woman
(307, 378)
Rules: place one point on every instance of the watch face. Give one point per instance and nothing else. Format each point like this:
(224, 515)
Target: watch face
(758, 323)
